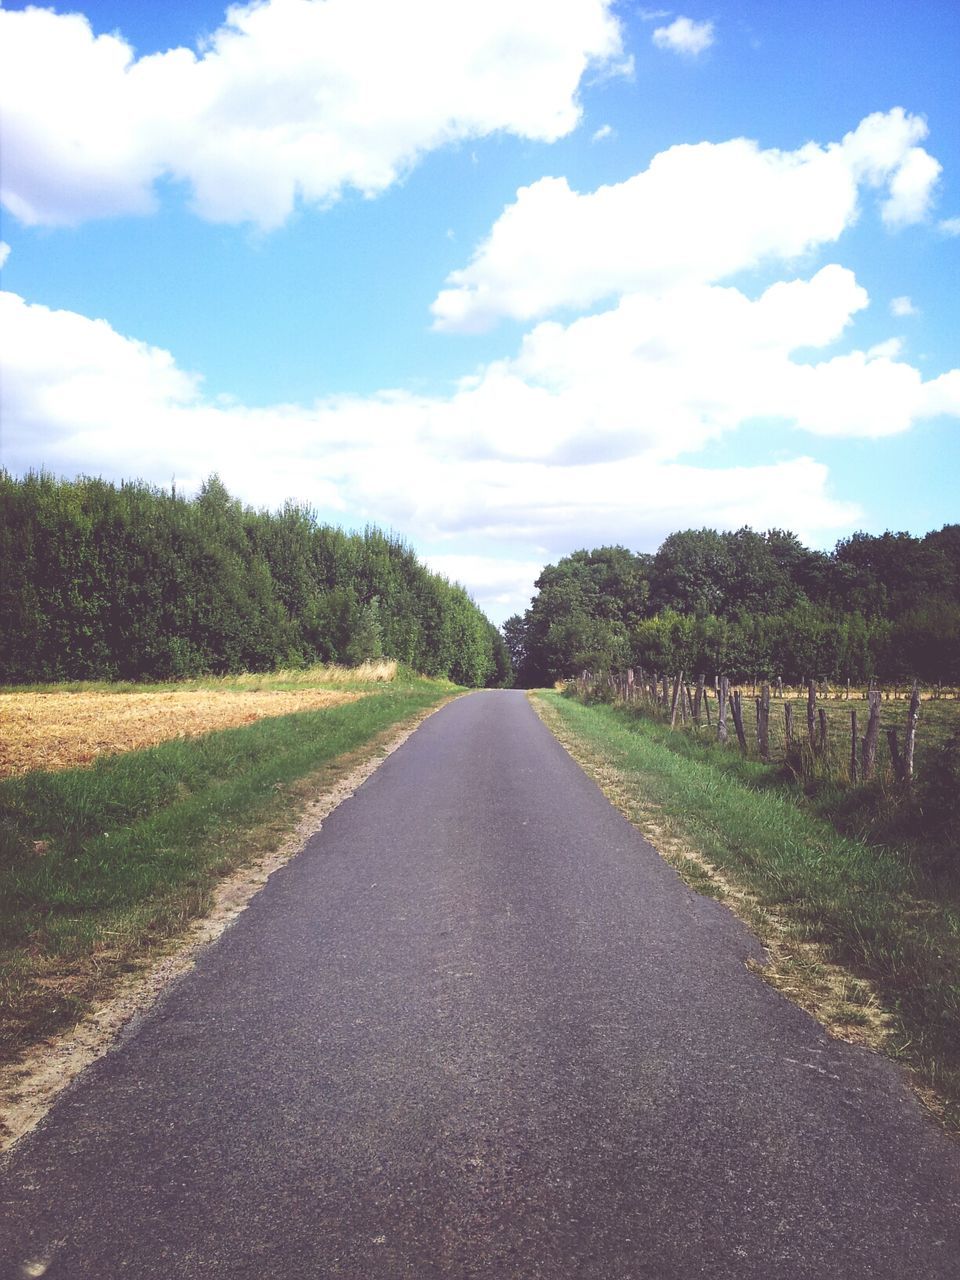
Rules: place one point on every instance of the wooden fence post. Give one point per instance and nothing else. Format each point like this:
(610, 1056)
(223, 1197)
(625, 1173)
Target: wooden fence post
(788, 726)
(822, 740)
(698, 700)
(873, 732)
(763, 721)
(853, 745)
(722, 710)
(677, 685)
(812, 713)
(913, 715)
(736, 706)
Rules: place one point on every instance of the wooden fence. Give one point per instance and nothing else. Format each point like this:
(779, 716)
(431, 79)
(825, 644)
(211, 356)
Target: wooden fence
(706, 708)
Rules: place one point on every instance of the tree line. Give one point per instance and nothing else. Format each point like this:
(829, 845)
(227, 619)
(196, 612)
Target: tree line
(749, 604)
(132, 582)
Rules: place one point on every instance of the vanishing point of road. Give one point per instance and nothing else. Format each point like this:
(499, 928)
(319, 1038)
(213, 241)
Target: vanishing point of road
(478, 1028)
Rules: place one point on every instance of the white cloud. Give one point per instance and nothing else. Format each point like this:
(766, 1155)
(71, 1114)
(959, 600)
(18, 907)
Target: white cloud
(911, 189)
(699, 213)
(605, 131)
(499, 586)
(902, 306)
(4, 253)
(553, 444)
(291, 100)
(685, 36)
(949, 226)
(889, 349)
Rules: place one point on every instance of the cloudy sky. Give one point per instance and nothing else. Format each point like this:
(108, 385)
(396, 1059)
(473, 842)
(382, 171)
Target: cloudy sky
(510, 277)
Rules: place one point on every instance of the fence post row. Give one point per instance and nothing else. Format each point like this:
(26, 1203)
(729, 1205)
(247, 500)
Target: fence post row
(676, 695)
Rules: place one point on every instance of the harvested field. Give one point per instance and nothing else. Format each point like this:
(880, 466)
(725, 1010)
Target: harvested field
(66, 730)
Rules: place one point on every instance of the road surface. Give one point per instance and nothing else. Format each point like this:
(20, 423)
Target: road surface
(479, 1029)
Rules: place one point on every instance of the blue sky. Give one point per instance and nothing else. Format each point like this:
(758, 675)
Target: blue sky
(508, 279)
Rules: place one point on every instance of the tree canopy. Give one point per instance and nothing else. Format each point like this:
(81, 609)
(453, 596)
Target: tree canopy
(745, 603)
(133, 582)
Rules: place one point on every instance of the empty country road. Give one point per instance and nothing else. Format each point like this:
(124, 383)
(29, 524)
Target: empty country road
(478, 1028)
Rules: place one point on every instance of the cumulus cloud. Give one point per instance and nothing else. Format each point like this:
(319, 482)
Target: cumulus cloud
(605, 131)
(685, 36)
(563, 436)
(949, 226)
(911, 189)
(290, 100)
(699, 213)
(4, 253)
(500, 586)
(902, 306)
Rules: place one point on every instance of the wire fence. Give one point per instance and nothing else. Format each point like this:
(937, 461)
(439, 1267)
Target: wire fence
(852, 731)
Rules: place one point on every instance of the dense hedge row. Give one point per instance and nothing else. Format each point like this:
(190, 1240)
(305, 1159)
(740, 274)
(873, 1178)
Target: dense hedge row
(101, 582)
(747, 603)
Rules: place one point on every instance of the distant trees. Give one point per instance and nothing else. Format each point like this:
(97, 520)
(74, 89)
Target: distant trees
(747, 603)
(132, 582)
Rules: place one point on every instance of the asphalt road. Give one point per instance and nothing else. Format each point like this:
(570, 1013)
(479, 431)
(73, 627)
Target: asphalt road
(479, 1029)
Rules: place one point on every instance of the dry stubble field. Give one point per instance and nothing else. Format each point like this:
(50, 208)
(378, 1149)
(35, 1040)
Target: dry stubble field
(64, 730)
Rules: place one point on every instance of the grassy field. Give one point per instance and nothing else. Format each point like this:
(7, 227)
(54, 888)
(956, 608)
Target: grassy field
(864, 935)
(100, 865)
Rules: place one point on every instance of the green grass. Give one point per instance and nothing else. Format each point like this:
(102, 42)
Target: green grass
(872, 909)
(98, 865)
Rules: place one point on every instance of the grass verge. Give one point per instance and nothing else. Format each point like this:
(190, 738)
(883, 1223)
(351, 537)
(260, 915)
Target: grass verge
(857, 934)
(99, 867)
